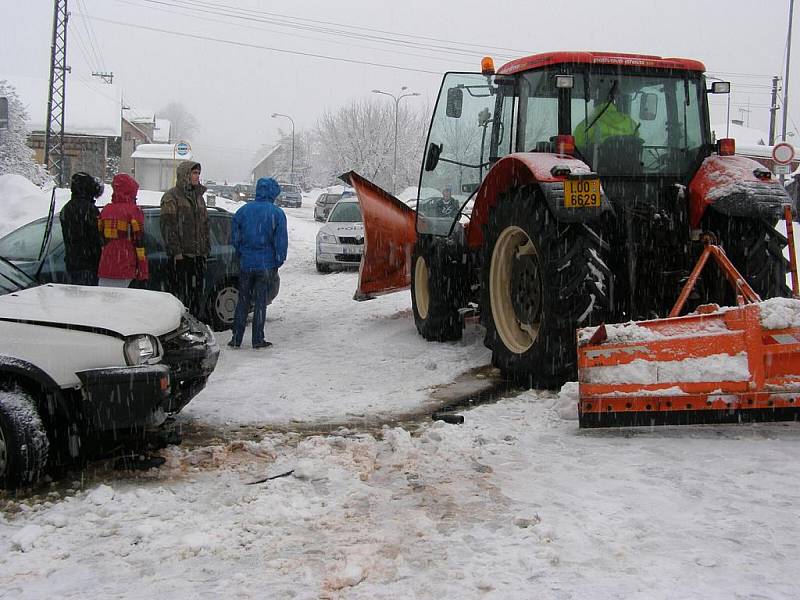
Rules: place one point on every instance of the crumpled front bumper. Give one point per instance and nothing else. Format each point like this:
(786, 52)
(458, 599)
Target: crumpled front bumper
(191, 353)
(124, 398)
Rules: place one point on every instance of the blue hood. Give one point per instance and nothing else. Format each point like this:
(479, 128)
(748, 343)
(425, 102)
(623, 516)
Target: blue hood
(267, 189)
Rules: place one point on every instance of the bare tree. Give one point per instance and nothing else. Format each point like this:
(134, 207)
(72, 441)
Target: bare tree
(360, 137)
(183, 124)
(16, 157)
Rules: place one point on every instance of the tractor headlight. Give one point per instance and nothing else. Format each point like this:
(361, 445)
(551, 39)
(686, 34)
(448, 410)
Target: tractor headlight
(141, 349)
(327, 239)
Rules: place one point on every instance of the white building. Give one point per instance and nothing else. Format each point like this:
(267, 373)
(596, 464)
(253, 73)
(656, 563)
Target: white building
(155, 165)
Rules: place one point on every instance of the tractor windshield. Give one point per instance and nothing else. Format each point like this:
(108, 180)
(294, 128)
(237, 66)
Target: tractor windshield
(641, 122)
(470, 130)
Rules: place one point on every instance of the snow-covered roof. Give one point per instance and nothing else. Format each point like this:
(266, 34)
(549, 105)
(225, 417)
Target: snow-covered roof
(266, 155)
(92, 108)
(743, 135)
(159, 151)
(137, 115)
(161, 131)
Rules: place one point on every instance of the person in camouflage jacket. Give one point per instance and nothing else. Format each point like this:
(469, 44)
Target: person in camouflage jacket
(184, 227)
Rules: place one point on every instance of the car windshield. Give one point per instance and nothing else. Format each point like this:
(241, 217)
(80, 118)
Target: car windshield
(25, 243)
(345, 212)
(12, 279)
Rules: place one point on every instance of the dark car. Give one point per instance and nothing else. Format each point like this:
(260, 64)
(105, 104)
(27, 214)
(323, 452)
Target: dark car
(22, 246)
(290, 196)
(326, 202)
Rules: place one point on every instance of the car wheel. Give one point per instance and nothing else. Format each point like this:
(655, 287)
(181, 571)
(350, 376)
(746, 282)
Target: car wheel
(222, 306)
(23, 441)
(321, 268)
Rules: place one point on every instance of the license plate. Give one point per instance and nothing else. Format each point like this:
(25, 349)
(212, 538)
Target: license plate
(582, 193)
(350, 250)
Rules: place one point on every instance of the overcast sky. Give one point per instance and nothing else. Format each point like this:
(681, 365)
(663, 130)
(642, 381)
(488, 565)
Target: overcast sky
(273, 59)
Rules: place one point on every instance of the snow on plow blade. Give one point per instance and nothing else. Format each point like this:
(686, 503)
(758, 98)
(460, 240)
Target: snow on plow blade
(730, 365)
(389, 237)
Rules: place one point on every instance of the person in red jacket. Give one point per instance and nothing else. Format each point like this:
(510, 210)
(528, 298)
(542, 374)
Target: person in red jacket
(121, 224)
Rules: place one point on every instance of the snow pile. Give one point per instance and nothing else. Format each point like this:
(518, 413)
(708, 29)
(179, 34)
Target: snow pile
(717, 367)
(620, 333)
(780, 313)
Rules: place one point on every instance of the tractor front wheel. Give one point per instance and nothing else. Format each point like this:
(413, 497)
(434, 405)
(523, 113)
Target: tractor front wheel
(541, 280)
(438, 281)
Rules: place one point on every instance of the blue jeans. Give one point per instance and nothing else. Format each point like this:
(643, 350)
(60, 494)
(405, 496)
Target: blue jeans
(255, 285)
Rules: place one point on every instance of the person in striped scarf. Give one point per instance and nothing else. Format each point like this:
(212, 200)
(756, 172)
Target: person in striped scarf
(121, 224)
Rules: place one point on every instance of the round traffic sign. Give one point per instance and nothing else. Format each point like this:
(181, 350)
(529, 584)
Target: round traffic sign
(182, 148)
(783, 153)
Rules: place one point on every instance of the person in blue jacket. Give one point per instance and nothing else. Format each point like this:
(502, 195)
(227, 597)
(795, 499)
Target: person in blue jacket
(261, 240)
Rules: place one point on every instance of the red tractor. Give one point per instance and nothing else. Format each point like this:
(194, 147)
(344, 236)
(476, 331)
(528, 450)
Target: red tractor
(586, 185)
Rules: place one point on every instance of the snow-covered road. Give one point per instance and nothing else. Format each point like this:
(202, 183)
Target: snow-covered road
(515, 503)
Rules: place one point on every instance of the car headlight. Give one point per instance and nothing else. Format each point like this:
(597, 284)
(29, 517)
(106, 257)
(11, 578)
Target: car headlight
(327, 239)
(141, 349)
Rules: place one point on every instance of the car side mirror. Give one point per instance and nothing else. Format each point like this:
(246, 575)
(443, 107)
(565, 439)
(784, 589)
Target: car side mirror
(648, 107)
(432, 159)
(455, 102)
(3, 113)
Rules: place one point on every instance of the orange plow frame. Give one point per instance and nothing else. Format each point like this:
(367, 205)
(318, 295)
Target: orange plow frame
(758, 369)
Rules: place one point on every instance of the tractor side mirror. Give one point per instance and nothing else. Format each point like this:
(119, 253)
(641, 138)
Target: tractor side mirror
(720, 87)
(3, 113)
(648, 107)
(455, 102)
(432, 159)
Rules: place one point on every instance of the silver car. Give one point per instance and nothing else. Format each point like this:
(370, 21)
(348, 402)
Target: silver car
(340, 242)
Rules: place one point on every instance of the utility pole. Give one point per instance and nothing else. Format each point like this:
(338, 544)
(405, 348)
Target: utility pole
(773, 110)
(54, 134)
(786, 78)
(107, 77)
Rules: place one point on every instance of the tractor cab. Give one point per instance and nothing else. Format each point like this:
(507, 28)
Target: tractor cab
(638, 119)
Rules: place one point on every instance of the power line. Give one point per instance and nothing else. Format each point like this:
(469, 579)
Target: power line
(91, 37)
(195, 36)
(439, 57)
(314, 25)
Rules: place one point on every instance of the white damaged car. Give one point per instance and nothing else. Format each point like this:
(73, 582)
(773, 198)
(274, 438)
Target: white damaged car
(83, 369)
(340, 242)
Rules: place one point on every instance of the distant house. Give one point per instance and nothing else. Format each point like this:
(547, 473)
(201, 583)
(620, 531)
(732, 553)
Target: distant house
(92, 123)
(267, 165)
(140, 127)
(155, 165)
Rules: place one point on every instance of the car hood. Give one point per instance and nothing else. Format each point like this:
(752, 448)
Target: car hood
(343, 229)
(123, 311)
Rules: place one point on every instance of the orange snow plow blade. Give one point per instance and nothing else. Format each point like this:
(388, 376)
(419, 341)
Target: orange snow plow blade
(717, 365)
(389, 237)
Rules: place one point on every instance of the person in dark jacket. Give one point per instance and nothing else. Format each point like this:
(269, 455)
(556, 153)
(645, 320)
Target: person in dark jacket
(184, 227)
(82, 241)
(122, 227)
(261, 240)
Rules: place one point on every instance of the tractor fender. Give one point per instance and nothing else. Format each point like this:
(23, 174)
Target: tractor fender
(728, 185)
(525, 168)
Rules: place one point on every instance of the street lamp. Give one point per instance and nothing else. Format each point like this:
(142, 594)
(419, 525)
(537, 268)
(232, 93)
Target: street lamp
(291, 175)
(396, 103)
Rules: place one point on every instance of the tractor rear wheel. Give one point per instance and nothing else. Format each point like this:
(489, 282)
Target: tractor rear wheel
(755, 248)
(541, 280)
(438, 281)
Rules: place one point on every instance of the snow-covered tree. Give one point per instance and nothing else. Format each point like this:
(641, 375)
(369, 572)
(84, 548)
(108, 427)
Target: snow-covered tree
(16, 157)
(360, 137)
(183, 124)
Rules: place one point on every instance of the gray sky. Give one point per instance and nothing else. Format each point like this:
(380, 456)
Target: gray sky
(232, 89)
